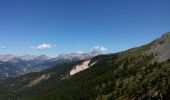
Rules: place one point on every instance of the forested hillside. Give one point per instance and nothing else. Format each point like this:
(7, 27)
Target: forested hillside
(135, 74)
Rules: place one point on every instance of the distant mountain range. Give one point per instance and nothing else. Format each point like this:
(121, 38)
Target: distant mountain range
(12, 65)
(141, 73)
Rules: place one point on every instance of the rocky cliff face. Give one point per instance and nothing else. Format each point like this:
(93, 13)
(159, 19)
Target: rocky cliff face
(161, 48)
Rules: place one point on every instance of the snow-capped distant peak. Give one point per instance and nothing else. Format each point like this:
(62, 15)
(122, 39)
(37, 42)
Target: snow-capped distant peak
(80, 67)
(28, 57)
(7, 57)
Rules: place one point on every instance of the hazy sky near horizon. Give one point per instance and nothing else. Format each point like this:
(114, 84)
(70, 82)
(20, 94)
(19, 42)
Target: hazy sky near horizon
(53, 27)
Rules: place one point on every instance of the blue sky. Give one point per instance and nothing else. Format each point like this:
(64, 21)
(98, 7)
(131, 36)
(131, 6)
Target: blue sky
(65, 26)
